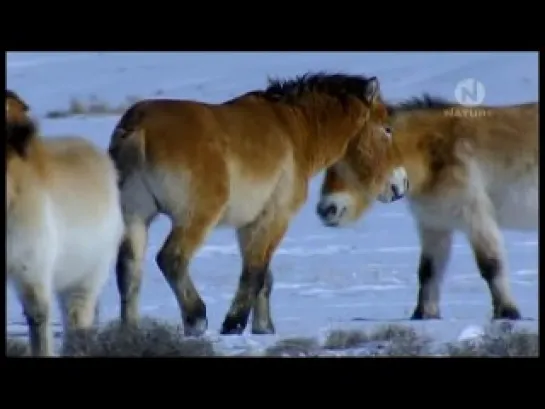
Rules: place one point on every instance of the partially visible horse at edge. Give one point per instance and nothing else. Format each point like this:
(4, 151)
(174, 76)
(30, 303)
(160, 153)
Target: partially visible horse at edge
(17, 110)
(244, 163)
(63, 224)
(473, 170)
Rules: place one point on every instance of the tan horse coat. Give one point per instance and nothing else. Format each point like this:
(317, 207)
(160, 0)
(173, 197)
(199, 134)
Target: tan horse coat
(245, 163)
(473, 170)
(63, 227)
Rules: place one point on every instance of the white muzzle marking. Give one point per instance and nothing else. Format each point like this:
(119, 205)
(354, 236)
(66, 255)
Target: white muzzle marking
(396, 188)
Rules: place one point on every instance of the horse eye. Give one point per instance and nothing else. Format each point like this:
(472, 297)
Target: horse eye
(388, 131)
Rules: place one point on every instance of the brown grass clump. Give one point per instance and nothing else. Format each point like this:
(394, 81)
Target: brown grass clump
(338, 340)
(151, 338)
(401, 341)
(499, 340)
(388, 340)
(294, 347)
(93, 106)
(16, 348)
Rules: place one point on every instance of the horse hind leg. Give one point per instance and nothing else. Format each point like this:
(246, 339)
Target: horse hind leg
(35, 299)
(487, 245)
(79, 303)
(190, 228)
(96, 321)
(78, 307)
(139, 209)
(262, 322)
(258, 242)
(129, 267)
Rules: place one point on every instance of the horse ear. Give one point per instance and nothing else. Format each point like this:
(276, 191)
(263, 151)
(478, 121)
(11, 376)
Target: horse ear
(372, 90)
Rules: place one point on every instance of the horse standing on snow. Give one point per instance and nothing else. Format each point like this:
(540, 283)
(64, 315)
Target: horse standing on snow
(244, 163)
(63, 224)
(474, 170)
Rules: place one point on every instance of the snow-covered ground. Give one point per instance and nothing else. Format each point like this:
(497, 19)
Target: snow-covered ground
(325, 278)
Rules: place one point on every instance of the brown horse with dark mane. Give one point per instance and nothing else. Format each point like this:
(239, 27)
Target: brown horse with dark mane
(244, 163)
(474, 170)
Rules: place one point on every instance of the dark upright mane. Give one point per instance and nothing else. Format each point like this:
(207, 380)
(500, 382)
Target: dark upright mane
(426, 101)
(255, 93)
(340, 86)
(12, 95)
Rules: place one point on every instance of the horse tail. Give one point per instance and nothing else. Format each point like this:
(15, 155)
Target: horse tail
(127, 143)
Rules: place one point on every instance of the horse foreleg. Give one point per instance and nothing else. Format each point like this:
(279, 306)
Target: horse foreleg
(436, 246)
(173, 260)
(258, 242)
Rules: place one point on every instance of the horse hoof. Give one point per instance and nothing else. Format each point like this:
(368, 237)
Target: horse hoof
(196, 328)
(419, 314)
(507, 312)
(232, 326)
(263, 330)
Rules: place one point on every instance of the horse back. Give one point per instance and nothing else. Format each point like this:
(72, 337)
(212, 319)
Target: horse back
(499, 142)
(174, 133)
(506, 133)
(79, 178)
(490, 152)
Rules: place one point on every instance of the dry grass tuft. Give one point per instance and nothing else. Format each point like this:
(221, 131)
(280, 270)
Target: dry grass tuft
(294, 347)
(499, 340)
(16, 348)
(402, 341)
(345, 339)
(151, 338)
(389, 340)
(93, 106)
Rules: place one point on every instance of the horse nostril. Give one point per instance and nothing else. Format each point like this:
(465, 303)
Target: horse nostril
(396, 193)
(327, 211)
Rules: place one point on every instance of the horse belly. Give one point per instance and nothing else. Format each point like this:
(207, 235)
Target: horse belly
(517, 205)
(32, 249)
(76, 261)
(87, 245)
(247, 199)
(438, 213)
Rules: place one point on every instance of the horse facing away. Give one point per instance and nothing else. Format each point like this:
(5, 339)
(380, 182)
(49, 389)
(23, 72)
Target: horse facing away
(63, 225)
(244, 163)
(473, 170)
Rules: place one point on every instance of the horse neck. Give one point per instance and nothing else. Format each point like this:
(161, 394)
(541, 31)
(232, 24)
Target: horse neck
(409, 132)
(329, 126)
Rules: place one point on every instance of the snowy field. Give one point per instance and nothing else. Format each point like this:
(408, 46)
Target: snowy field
(357, 277)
